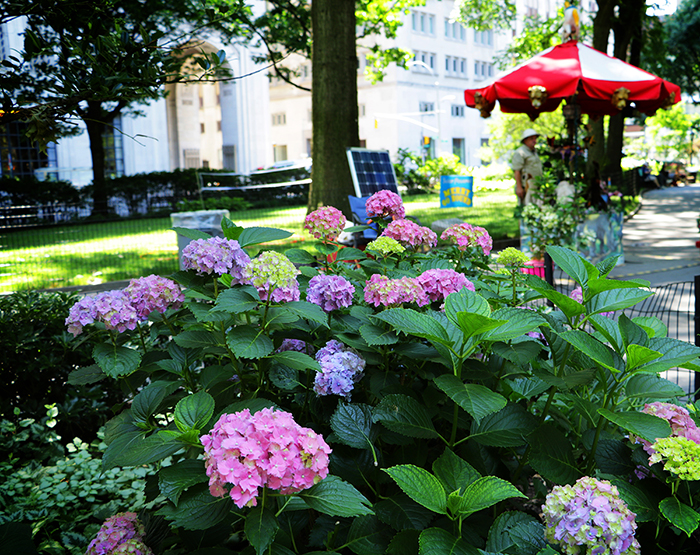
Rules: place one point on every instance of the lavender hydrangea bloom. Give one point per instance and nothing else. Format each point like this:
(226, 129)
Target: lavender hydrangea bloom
(590, 515)
(112, 308)
(215, 255)
(153, 293)
(330, 292)
(122, 528)
(380, 290)
(341, 369)
(294, 345)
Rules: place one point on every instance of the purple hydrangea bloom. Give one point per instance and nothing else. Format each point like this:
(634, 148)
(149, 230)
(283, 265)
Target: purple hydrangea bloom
(380, 290)
(153, 293)
(341, 369)
(115, 531)
(215, 255)
(294, 345)
(590, 515)
(112, 308)
(330, 292)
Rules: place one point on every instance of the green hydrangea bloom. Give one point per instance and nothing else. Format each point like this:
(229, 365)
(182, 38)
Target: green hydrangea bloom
(386, 246)
(680, 455)
(511, 256)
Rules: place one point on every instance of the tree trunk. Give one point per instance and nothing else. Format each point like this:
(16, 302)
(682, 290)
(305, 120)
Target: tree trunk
(93, 118)
(334, 102)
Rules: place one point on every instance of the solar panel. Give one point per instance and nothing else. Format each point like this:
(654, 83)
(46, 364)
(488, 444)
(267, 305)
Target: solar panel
(371, 171)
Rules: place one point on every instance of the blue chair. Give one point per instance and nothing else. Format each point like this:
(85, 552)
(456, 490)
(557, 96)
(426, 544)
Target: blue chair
(359, 217)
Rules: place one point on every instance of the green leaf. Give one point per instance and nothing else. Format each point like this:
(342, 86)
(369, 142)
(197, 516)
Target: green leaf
(651, 386)
(552, 456)
(631, 333)
(402, 513)
(16, 538)
(466, 301)
(573, 264)
(135, 449)
(420, 485)
(308, 311)
(638, 356)
(350, 253)
(606, 265)
(194, 411)
(612, 456)
(518, 322)
(334, 497)
(352, 424)
(116, 361)
(616, 299)
(197, 509)
(652, 325)
(249, 342)
(646, 426)
(374, 335)
(507, 428)
(599, 285)
(594, 349)
(197, 339)
(367, 536)
(300, 256)
(566, 304)
(529, 538)
(231, 230)
(404, 543)
(175, 479)
(410, 322)
(680, 515)
(474, 324)
(499, 539)
(404, 415)
(528, 387)
(261, 528)
(637, 501)
(296, 360)
(192, 234)
(257, 235)
(86, 375)
(478, 400)
(609, 329)
(674, 353)
(284, 377)
(436, 541)
(238, 299)
(518, 353)
(487, 491)
(253, 405)
(149, 399)
(454, 472)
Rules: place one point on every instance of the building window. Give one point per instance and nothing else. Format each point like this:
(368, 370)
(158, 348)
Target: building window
(457, 111)
(458, 149)
(456, 67)
(423, 23)
(483, 38)
(426, 106)
(455, 31)
(362, 110)
(229, 157)
(425, 61)
(280, 152)
(482, 70)
(201, 128)
(191, 156)
(279, 119)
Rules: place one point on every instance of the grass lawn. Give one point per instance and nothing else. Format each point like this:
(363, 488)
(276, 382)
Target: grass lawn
(94, 253)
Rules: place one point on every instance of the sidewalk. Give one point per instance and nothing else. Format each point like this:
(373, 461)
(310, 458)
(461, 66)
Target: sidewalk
(659, 241)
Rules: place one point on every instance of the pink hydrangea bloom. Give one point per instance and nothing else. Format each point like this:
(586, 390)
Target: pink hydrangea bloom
(153, 293)
(215, 255)
(466, 235)
(325, 223)
(385, 204)
(590, 517)
(115, 531)
(410, 234)
(330, 292)
(341, 369)
(265, 449)
(577, 295)
(112, 308)
(380, 290)
(274, 276)
(682, 425)
(440, 283)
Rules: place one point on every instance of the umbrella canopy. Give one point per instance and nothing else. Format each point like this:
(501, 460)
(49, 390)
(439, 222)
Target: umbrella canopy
(603, 85)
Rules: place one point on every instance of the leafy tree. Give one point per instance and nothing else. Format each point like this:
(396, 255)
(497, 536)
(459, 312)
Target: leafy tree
(674, 132)
(682, 41)
(96, 60)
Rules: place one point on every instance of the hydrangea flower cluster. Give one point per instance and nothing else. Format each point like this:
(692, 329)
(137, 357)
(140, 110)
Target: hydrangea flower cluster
(121, 533)
(325, 223)
(510, 256)
(385, 204)
(682, 425)
(410, 234)
(380, 290)
(466, 235)
(265, 449)
(440, 283)
(294, 345)
(385, 246)
(341, 369)
(274, 276)
(215, 255)
(589, 517)
(112, 308)
(680, 455)
(330, 292)
(154, 293)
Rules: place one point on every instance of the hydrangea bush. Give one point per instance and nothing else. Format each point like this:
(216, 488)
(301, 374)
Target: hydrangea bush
(399, 400)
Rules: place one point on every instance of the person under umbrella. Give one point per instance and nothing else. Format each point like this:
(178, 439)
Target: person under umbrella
(526, 166)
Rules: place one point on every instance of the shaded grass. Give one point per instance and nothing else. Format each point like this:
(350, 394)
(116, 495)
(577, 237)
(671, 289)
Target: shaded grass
(88, 254)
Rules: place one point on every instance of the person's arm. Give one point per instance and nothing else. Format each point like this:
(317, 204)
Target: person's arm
(519, 188)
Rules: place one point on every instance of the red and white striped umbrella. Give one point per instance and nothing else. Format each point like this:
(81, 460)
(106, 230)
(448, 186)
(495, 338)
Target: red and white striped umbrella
(603, 85)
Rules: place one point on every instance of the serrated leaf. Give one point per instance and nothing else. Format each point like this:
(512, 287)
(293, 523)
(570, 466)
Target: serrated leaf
(374, 335)
(116, 360)
(651, 386)
(573, 264)
(300, 256)
(135, 449)
(680, 515)
(674, 353)
(652, 325)
(149, 398)
(297, 360)
(499, 539)
(593, 348)
(528, 387)
(175, 479)
(402, 513)
(551, 455)
(507, 428)
(257, 235)
(197, 509)
(86, 375)
(613, 457)
(404, 543)
(631, 333)
(599, 285)
(404, 415)
(197, 339)
(238, 299)
(367, 536)
(637, 501)
(333, 496)
(639, 356)
(609, 329)
(284, 377)
(485, 492)
(231, 230)
(352, 424)
(529, 537)
(410, 322)
(436, 541)
(616, 299)
(518, 353)
(466, 301)
(350, 253)
(518, 322)
(249, 342)
(473, 324)
(308, 311)
(454, 472)
(477, 400)
(194, 411)
(260, 528)
(420, 485)
(566, 304)
(646, 426)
